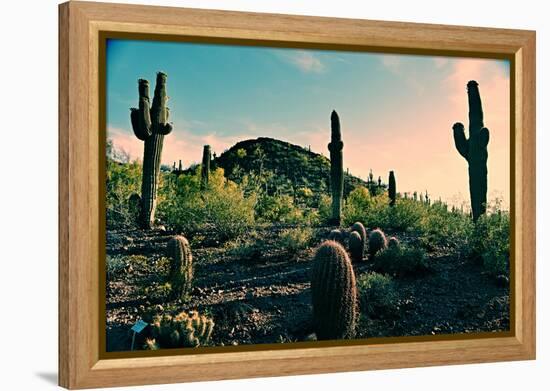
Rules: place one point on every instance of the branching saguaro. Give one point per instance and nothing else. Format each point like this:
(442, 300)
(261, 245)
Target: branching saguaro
(335, 148)
(474, 150)
(150, 124)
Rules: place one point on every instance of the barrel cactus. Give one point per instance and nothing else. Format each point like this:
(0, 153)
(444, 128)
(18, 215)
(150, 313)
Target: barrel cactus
(360, 229)
(335, 148)
(181, 266)
(356, 246)
(393, 242)
(474, 150)
(179, 331)
(150, 124)
(205, 167)
(333, 292)
(336, 235)
(377, 241)
(392, 192)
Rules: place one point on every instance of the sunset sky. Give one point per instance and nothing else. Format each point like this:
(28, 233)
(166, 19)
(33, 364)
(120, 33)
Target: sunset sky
(396, 111)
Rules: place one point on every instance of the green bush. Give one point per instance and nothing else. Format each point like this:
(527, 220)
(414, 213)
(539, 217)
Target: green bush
(377, 294)
(490, 240)
(401, 260)
(221, 209)
(361, 206)
(441, 227)
(245, 249)
(123, 180)
(295, 239)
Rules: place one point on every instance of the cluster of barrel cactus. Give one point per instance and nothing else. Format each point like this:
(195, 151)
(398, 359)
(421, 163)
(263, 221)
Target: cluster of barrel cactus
(179, 331)
(334, 293)
(181, 266)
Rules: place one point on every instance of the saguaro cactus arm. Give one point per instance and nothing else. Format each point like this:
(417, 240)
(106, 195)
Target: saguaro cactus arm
(141, 117)
(159, 111)
(461, 143)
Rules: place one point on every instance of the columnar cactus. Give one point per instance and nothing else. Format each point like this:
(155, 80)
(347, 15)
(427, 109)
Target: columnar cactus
(150, 124)
(183, 330)
(181, 265)
(392, 188)
(356, 246)
(377, 241)
(205, 167)
(333, 293)
(474, 150)
(336, 168)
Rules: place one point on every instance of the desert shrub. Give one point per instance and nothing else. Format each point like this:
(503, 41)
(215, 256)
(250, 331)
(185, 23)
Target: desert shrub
(325, 208)
(377, 294)
(123, 180)
(115, 265)
(441, 227)
(295, 239)
(490, 240)
(361, 206)
(282, 209)
(405, 215)
(221, 209)
(401, 260)
(245, 249)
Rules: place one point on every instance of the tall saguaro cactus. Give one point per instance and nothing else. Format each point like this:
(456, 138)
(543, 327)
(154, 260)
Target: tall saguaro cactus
(150, 124)
(474, 150)
(392, 191)
(335, 148)
(205, 167)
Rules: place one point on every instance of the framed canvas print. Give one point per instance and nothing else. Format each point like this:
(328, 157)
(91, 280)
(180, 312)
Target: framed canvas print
(247, 195)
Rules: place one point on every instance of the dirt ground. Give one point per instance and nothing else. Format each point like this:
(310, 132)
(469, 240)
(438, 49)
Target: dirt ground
(265, 298)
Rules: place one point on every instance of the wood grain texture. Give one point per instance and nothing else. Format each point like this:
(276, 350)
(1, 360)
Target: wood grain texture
(80, 365)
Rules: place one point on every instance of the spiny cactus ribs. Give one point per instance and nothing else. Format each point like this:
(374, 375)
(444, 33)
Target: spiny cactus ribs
(474, 150)
(205, 167)
(335, 148)
(333, 293)
(181, 265)
(392, 191)
(150, 124)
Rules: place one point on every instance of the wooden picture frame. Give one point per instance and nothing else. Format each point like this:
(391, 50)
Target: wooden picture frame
(81, 25)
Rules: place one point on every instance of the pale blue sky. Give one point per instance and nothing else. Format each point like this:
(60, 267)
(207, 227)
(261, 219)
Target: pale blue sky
(396, 110)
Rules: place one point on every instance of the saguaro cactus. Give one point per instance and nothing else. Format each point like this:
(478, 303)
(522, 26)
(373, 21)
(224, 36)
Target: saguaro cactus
(336, 168)
(474, 150)
(333, 292)
(150, 124)
(205, 167)
(392, 188)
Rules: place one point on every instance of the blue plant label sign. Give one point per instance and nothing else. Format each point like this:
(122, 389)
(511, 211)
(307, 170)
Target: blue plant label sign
(139, 326)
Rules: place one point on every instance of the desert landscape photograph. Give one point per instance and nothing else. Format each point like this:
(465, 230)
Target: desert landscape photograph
(259, 196)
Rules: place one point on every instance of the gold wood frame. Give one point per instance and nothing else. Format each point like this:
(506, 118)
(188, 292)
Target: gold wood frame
(82, 25)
